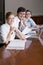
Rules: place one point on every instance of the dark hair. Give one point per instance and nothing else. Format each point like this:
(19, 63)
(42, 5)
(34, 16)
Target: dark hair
(8, 14)
(21, 9)
(28, 11)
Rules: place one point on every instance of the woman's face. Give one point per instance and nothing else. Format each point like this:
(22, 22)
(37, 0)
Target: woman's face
(10, 19)
(21, 15)
(28, 15)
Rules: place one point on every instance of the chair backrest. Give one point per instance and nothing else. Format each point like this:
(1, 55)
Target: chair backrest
(1, 41)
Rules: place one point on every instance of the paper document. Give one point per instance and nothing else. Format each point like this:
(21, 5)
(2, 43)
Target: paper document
(39, 27)
(26, 30)
(16, 44)
(31, 36)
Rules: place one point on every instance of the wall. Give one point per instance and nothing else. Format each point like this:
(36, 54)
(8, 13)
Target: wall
(36, 6)
(38, 19)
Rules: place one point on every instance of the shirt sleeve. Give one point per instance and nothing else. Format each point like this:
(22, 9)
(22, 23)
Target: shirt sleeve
(32, 22)
(3, 33)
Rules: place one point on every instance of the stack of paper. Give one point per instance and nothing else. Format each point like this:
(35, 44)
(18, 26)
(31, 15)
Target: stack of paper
(16, 44)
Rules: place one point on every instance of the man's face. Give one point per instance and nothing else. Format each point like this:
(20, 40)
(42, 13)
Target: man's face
(10, 19)
(21, 15)
(28, 15)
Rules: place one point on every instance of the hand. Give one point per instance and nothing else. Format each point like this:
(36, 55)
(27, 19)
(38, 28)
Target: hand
(12, 29)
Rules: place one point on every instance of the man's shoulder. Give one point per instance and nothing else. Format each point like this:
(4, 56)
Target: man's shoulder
(32, 20)
(16, 19)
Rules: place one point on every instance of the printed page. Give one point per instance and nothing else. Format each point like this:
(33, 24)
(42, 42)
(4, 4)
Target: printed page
(26, 30)
(16, 44)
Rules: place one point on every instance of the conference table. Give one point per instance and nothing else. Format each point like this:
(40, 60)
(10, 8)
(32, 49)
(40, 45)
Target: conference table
(33, 55)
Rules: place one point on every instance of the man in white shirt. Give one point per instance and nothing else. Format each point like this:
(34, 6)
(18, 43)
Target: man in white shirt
(16, 22)
(20, 17)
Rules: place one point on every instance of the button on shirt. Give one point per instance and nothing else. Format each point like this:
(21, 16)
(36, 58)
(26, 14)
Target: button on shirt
(5, 28)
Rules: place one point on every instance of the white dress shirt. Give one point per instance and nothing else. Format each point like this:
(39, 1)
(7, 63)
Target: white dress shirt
(16, 22)
(5, 28)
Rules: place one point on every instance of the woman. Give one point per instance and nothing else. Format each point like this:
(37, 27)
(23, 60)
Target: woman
(8, 30)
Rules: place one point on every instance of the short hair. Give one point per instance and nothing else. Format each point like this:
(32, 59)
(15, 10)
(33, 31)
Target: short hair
(21, 9)
(8, 14)
(28, 11)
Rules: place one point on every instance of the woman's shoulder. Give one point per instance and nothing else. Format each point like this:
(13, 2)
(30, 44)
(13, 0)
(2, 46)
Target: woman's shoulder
(4, 25)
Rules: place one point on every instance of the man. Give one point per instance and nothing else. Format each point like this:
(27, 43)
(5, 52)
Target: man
(30, 22)
(20, 17)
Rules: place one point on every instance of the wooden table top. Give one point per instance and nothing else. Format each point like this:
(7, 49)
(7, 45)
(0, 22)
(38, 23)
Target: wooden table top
(30, 56)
